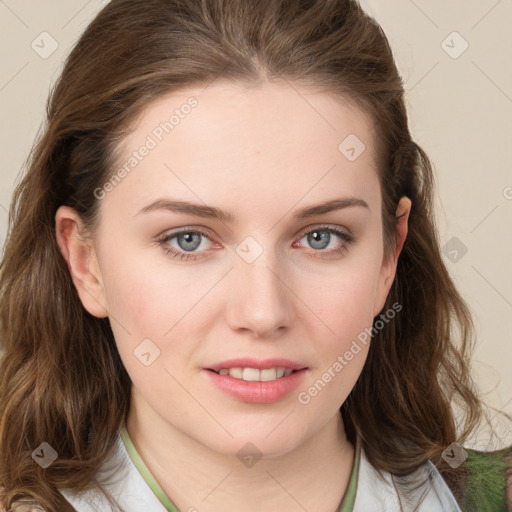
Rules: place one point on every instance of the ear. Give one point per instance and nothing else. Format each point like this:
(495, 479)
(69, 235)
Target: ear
(388, 268)
(80, 256)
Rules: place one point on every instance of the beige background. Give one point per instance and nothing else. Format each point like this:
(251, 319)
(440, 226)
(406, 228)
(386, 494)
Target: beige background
(460, 108)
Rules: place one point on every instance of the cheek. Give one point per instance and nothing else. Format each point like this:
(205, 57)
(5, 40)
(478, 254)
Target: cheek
(346, 312)
(143, 295)
(151, 300)
(345, 299)
(344, 304)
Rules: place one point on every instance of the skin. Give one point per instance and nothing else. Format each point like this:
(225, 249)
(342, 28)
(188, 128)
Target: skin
(261, 153)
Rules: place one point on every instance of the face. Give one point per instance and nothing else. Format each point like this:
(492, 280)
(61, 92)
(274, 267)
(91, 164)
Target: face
(271, 281)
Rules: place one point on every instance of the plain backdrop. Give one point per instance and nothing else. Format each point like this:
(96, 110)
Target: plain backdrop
(455, 59)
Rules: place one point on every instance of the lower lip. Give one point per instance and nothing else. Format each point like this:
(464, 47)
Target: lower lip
(257, 392)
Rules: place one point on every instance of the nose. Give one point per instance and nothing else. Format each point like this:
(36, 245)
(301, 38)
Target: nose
(260, 300)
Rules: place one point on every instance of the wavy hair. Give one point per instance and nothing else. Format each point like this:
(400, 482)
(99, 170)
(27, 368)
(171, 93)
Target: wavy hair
(61, 378)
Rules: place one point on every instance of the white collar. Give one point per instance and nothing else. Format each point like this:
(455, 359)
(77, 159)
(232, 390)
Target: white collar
(378, 492)
(375, 491)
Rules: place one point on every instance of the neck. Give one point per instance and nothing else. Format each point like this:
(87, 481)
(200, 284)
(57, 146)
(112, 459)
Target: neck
(312, 476)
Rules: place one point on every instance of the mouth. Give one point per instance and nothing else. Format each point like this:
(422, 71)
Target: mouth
(254, 374)
(253, 380)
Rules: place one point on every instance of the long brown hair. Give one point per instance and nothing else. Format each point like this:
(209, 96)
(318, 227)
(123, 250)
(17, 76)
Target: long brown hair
(62, 380)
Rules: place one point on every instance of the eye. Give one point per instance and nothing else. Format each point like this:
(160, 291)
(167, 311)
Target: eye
(321, 238)
(188, 241)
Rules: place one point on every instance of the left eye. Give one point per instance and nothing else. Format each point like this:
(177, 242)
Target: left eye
(189, 241)
(320, 238)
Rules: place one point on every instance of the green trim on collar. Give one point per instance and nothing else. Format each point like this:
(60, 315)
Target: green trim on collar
(146, 474)
(347, 503)
(349, 499)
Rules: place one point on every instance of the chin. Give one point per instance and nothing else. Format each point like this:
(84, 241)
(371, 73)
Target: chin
(256, 445)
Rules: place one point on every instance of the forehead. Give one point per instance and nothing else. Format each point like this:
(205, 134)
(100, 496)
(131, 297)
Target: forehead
(253, 114)
(264, 142)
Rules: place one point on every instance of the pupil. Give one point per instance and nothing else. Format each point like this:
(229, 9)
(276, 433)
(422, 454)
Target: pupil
(316, 239)
(189, 239)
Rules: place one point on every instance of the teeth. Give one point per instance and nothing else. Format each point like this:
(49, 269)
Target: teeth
(237, 373)
(255, 375)
(270, 374)
(251, 374)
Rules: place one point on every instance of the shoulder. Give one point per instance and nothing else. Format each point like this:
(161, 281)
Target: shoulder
(489, 481)
(122, 483)
(424, 490)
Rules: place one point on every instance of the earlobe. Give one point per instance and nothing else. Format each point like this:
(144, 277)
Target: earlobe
(388, 268)
(81, 259)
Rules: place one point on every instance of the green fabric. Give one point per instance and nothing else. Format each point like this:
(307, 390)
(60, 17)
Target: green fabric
(347, 504)
(486, 488)
(146, 474)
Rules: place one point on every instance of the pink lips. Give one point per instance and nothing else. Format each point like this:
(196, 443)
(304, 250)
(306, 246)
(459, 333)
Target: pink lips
(257, 392)
(262, 364)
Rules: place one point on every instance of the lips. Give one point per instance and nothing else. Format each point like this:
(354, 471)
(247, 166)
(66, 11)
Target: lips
(261, 364)
(257, 380)
(262, 392)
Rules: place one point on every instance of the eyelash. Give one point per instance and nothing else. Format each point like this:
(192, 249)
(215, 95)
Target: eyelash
(184, 256)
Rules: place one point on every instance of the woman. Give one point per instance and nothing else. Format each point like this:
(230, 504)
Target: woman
(222, 287)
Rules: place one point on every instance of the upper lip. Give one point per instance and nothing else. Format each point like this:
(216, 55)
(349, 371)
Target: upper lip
(260, 364)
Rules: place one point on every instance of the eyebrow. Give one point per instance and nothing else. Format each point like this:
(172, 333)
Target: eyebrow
(199, 210)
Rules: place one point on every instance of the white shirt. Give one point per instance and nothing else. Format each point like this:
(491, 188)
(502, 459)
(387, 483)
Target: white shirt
(374, 493)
